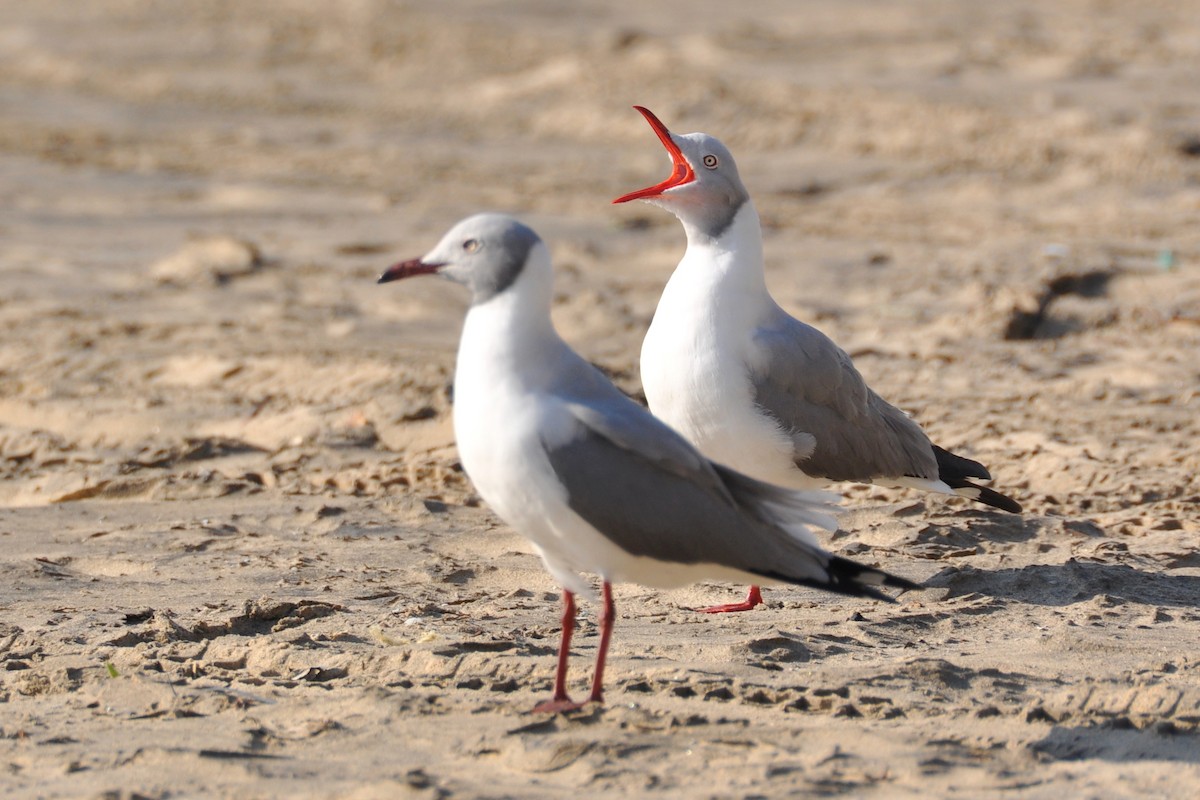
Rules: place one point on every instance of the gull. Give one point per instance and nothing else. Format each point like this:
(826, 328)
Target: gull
(749, 385)
(591, 478)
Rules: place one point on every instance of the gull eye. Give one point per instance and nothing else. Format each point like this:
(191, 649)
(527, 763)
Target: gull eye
(471, 245)
(710, 161)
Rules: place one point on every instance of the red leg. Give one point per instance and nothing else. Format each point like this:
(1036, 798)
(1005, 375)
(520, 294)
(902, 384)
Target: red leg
(560, 701)
(753, 598)
(608, 616)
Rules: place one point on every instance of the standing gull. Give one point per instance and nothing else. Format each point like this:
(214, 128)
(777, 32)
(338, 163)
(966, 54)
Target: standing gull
(752, 387)
(592, 479)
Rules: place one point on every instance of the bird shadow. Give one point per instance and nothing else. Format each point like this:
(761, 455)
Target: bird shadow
(1038, 324)
(971, 526)
(1118, 742)
(1069, 583)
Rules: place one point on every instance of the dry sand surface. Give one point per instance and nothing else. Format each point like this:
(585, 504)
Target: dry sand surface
(239, 557)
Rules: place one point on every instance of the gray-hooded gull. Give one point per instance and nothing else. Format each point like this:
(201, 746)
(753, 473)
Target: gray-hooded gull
(596, 482)
(749, 385)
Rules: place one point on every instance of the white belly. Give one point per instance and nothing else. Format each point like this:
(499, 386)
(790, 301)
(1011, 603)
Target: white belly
(497, 433)
(699, 386)
(514, 477)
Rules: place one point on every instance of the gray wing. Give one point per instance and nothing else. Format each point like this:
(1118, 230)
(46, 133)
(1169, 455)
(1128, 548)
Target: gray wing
(843, 430)
(648, 491)
(601, 407)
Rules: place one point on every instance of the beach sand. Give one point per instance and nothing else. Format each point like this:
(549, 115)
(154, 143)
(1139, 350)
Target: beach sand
(238, 556)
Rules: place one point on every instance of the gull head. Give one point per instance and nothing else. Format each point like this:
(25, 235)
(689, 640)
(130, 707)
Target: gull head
(486, 253)
(704, 189)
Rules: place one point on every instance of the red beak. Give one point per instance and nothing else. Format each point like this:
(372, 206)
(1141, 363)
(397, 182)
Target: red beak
(681, 171)
(407, 269)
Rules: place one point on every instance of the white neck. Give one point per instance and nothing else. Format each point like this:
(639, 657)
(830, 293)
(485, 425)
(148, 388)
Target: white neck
(511, 334)
(745, 232)
(696, 355)
(727, 270)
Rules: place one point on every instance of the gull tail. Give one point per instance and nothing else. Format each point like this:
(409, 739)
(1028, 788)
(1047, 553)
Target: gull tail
(793, 510)
(795, 513)
(955, 472)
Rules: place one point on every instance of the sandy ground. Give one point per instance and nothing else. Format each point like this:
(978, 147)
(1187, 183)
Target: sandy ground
(239, 558)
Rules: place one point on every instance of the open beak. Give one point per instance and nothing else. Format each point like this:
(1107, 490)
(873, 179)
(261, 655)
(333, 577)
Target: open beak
(681, 170)
(407, 269)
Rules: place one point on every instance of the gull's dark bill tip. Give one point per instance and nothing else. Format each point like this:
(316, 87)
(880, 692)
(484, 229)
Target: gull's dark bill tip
(407, 269)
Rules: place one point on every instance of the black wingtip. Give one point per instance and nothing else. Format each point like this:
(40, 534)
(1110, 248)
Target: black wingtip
(982, 494)
(955, 472)
(994, 499)
(865, 579)
(955, 467)
(849, 577)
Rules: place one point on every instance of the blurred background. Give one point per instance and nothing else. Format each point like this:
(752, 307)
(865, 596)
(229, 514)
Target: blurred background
(992, 206)
(240, 557)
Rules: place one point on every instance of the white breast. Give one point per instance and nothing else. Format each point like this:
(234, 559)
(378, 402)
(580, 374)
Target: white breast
(695, 359)
(698, 384)
(503, 413)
